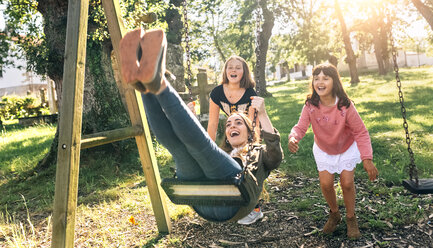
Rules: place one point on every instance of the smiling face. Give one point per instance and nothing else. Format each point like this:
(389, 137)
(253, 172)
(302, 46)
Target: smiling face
(234, 71)
(236, 131)
(323, 85)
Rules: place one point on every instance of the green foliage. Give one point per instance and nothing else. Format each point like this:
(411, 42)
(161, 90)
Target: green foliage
(14, 107)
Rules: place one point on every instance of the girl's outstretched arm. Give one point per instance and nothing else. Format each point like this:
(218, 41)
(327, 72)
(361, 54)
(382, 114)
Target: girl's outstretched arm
(293, 145)
(258, 103)
(212, 126)
(370, 169)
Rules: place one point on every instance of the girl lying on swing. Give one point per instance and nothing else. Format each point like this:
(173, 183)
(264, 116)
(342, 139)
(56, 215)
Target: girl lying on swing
(196, 155)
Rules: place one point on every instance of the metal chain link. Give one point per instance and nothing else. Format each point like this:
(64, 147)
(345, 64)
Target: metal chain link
(188, 83)
(254, 123)
(251, 138)
(413, 171)
(257, 51)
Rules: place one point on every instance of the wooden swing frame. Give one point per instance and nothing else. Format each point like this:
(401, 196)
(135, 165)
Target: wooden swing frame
(70, 124)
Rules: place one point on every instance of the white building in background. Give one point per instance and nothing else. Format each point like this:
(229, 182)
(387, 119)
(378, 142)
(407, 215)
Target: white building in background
(283, 71)
(19, 82)
(367, 60)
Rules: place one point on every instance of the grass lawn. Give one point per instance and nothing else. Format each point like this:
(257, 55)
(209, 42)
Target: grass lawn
(111, 187)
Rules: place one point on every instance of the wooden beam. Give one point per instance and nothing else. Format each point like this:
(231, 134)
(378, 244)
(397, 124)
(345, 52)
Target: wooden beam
(68, 157)
(203, 95)
(138, 118)
(101, 138)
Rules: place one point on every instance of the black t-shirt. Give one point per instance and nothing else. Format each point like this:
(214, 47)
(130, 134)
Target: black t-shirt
(218, 97)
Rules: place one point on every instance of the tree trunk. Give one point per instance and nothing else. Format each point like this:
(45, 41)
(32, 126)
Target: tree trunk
(263, 37)
(102, 107)
(55, 15)
(425, 11)
(351, 59)
(377, 26)
(174, 40)
(378, 52)
(217, 45)
(384, 42)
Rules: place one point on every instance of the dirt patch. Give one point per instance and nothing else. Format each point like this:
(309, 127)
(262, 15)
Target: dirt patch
(285, 227)
(294, 216)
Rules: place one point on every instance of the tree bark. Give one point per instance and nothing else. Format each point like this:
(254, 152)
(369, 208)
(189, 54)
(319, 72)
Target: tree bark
(174, 40)
(425, 11)
(55, 15)
(376, 27)
(351, 59)
(102, 106)
(263, 37)
(378, 52)
(217, 45)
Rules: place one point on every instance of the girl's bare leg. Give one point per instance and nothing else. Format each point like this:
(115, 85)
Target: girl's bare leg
(348, 187)
(327, 186)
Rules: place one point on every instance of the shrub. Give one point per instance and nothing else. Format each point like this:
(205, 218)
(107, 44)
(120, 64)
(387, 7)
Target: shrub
(14, 107)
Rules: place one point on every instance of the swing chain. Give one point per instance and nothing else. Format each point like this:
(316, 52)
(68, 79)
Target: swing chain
(187, 50)
(413, 172)
(257, 51)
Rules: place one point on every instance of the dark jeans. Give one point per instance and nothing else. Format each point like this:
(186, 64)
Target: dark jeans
(196, 155)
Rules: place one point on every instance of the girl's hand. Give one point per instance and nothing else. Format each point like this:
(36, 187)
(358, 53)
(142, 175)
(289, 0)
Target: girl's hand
(293, 145)
(191, 106)
(258, 103)
(370, 169)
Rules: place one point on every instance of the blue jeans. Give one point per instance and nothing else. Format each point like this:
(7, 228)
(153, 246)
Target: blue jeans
(196, 155)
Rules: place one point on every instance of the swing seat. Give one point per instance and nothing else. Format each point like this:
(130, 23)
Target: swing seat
(425, 186)
(215, 193)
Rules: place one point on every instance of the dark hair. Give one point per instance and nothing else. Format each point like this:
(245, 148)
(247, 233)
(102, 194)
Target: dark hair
(246, 80)
(337, 87)
(225, 145)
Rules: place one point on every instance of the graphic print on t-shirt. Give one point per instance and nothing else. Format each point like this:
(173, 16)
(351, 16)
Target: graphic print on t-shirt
(230, 108)
(218, 97)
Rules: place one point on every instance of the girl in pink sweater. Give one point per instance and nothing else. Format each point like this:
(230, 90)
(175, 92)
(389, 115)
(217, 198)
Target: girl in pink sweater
(340, 142)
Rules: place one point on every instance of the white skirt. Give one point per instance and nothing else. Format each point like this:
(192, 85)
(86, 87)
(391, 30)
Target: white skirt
(337, 163)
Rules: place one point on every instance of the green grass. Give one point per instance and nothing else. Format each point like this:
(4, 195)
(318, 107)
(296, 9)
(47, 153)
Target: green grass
(376, 99)
(113, 183)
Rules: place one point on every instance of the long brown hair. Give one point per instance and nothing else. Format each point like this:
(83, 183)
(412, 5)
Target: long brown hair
(225, 144)
(246, 80)
(337, 87)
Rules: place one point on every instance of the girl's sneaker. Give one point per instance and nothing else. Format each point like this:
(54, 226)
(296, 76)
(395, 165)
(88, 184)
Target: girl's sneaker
(252, 217)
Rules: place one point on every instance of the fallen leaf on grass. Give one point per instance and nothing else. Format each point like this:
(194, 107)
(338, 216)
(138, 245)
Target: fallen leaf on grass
(227, 242)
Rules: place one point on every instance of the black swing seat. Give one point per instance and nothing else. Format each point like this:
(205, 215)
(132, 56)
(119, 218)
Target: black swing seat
(216, 193)
(425, 186)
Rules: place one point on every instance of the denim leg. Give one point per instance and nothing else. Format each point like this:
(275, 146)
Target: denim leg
(215, 163)
(186, 167)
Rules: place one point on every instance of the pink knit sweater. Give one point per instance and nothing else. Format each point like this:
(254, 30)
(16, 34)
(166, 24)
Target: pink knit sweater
(334, 129)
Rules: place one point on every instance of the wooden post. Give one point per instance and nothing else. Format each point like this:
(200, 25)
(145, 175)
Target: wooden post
(70, 123)
(203, 95)
(68, 155)
(138, 118)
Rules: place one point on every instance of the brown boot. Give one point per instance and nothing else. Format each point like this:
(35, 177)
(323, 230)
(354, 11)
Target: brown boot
(333, 220)
(352, 228)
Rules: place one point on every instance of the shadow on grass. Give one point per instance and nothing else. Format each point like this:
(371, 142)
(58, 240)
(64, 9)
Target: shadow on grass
(154, 241)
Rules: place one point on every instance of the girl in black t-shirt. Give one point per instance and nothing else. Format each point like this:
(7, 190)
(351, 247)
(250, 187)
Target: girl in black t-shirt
(233, 94)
